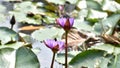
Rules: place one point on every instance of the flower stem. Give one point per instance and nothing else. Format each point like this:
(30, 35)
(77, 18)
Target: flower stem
(52, 60)
(59, 12)
(66, 49)
(11, 27)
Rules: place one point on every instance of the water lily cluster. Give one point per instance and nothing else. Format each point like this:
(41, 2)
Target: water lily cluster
(54, 45)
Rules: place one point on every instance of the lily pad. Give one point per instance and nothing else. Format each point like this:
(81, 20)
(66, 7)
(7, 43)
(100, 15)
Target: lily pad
(115, 62)
(82, 25)
(95, 16)
(93, 4)
(20, 58)
(56, 2)
(61, 56)
(47, 33)
(111, 6)
(7, 35)
(110, 49)
(90, 59)
(2, 13)
(7, 58)
(25, 6)
(14, 45)
(107, 25)
(25, 58)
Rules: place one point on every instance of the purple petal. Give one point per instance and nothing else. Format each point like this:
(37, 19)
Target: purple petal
(50, 43)
(71, 20)
(61, 45)
(61, 21)
(61, 7)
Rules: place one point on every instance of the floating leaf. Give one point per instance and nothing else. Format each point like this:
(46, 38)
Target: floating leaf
(2, 13)
(7, 58)
(61, 56)
(93, 4)
(115, 62)
(25, 58)
(90, 4)
(47, 33)
(82, 4)
(72, 1)
(2, 18)
(118, 1)
(107, 25)
(14, 45)
(14, 0)
(90, 59)
(56, 2)
(94, 15)
(25, 7)
(7, 35)
(82, 25)
(111, 6)
(22, 9)
(49, 20)
(108, 48)
(3, 8)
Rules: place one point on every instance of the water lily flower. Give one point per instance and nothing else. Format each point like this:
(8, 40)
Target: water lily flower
(54, 45)
(65, 23)
(61, 7)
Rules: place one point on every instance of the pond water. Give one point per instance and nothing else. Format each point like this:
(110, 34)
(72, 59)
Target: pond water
(45, 54)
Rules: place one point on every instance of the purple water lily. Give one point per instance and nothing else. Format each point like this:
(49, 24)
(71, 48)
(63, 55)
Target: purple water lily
(61, 7)
(54, 45)
(65, 23)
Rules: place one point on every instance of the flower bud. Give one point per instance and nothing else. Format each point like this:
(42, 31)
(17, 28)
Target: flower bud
(12, 21)
(65, 23)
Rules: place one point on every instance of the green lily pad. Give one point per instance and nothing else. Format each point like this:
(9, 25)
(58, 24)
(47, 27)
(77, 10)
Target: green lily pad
(110, 49)
(82, 25)
(47, 33)
(20, 58)
(7, 35)
(115, 62)
(56, 2)
(25, 58)
(90, 59)
(107, 25)
(95, 16)
(93, 4)
(111, 6)
(2, 13)
(61, 56)
(25, 6)
(14, 45)
(7, 58)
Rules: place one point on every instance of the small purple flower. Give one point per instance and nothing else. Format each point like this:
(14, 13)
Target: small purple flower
(61, 7)
(54, 45)
(65, 23)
